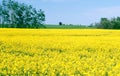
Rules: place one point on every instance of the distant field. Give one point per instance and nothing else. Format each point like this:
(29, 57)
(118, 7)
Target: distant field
(67, 27)
(59, 52)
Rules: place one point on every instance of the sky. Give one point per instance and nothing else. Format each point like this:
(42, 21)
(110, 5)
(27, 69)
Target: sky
(82, 12)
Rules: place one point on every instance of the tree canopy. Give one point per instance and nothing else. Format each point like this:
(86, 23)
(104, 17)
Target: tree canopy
(113, 23)
(20, 15)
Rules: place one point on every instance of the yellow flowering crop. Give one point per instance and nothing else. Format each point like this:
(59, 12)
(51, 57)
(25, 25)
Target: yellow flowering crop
(59, 52)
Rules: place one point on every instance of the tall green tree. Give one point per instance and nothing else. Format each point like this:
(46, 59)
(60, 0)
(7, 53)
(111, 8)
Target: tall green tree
(20, 15)
(0, 14)
(104, 23)
(113, 23)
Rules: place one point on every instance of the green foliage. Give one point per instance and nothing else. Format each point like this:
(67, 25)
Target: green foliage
(20, 15)
(113, 23)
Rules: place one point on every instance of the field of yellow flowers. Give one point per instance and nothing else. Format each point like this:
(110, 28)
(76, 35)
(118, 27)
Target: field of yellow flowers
(59, 52)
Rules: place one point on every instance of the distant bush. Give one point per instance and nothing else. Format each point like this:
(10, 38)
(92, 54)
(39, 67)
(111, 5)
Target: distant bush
(60, 23)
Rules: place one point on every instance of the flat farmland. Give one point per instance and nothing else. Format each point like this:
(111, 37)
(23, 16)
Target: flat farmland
(59, 52)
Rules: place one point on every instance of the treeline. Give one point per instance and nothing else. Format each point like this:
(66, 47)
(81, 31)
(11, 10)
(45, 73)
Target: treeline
(113, 23)
(20, 15)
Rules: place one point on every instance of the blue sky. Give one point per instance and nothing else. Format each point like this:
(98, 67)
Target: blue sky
(76, 11)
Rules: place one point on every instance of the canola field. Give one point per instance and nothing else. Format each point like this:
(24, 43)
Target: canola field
(59, 52)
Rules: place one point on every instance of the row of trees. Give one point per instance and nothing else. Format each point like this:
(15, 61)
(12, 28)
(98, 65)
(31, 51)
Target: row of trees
(20, 15)
(113, 23)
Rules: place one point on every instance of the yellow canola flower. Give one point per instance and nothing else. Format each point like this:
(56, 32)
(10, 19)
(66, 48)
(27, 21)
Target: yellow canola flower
(64, 52)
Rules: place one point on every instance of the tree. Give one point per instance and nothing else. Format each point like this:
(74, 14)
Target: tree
(0, 14)
(5, 15)
(28, 17)
(20, 15)
(40, 18)
(113, 23)
(60, 23)
(118, 23)
(104, 23)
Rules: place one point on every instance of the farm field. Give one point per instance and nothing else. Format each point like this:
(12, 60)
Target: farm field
(59, 52)
(67, 27)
